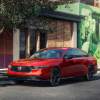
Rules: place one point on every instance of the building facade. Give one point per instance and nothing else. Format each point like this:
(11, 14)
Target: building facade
(75, 25)
(6, 48)
(63, 33)
(89, 28)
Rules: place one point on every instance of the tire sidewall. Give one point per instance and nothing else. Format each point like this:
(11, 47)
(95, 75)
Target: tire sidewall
(52, 81)
(89, 75)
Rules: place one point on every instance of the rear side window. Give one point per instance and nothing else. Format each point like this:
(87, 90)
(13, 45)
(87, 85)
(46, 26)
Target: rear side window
(76, 52)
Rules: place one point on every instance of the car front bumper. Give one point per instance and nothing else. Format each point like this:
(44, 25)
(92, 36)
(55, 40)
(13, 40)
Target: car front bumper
(28, 78)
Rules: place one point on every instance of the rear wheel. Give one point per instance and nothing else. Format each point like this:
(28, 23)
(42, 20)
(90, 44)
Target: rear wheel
(89, 76)
(55, 77)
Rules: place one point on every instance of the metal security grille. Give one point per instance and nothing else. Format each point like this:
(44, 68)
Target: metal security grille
(6, 48)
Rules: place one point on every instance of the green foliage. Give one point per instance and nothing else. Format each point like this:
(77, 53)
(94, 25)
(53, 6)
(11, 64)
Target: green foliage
(17, 11)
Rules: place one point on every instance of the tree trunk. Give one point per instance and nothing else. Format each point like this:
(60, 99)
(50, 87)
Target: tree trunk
(1, 30)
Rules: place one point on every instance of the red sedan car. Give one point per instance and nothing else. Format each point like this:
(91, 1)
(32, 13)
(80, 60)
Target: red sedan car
(54, 64)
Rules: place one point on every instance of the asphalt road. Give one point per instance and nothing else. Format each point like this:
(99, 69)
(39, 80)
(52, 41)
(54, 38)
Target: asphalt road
(70, 89)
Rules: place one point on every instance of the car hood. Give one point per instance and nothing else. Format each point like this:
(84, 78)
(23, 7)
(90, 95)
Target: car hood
(36, 62)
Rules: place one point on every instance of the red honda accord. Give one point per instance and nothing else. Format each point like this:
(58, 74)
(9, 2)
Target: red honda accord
(53, 64)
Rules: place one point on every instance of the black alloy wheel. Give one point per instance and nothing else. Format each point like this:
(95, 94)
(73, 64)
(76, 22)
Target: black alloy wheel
(89, 76)
(55, 77)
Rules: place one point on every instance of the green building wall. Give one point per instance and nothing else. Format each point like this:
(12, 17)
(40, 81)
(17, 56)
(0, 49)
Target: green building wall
(89, 37)
(89, 27)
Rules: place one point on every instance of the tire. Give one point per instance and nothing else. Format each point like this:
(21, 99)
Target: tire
(89, 76)
(19, 82)
(55, 77)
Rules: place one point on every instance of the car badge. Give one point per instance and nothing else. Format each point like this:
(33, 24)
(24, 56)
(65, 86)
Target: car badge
(19, 68)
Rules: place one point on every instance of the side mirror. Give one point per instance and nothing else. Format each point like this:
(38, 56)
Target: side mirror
(68, 56)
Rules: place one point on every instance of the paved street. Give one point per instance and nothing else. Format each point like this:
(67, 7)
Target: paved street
(70, 89)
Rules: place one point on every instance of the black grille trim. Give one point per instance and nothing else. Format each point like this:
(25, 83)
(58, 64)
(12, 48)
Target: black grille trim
(21, 68)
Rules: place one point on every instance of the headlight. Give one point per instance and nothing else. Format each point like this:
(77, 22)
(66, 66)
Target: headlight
(9, 66)
(38, 67)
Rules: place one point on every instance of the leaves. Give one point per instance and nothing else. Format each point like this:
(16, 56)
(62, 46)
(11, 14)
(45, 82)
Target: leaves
(18, 11)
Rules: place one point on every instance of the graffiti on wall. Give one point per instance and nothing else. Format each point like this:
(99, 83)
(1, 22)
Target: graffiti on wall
(90, 33)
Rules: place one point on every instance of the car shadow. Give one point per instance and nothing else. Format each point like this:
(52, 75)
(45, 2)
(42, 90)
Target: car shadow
(78, 80)
(7, 82)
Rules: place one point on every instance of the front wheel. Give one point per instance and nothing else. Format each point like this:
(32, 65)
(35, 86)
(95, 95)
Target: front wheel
(55, 77)
(18, 81)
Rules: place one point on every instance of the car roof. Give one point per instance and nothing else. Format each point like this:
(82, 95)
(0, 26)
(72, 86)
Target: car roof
(61, 48)
(58, 48)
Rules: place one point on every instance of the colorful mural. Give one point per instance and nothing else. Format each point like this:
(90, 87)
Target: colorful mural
(89, 37)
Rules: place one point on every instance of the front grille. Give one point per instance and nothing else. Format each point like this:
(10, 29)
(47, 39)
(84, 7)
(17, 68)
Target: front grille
(21, 69)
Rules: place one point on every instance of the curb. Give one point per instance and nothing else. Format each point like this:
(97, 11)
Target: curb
(3, 78)
(3, 72)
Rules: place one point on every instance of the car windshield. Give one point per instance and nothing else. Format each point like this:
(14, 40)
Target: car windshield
(47, 54)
